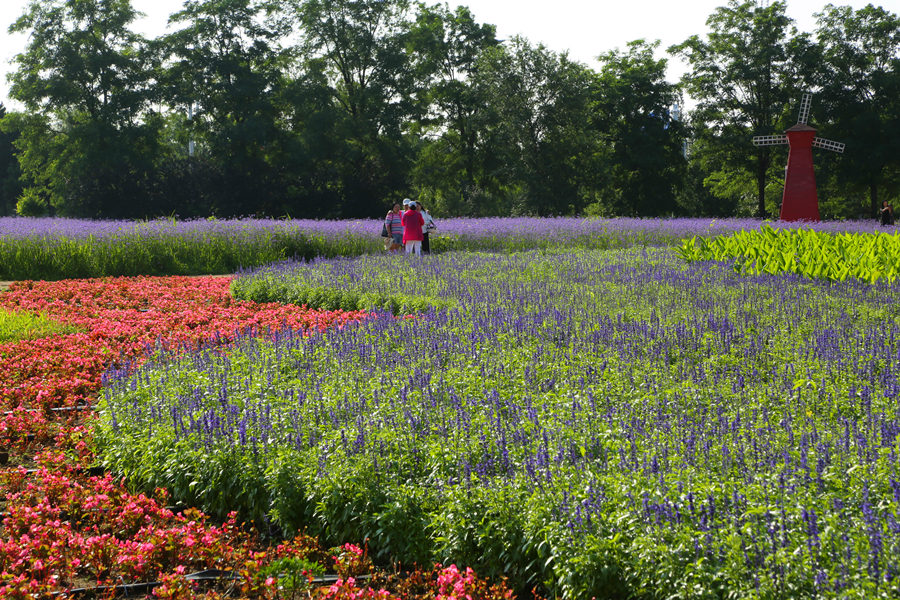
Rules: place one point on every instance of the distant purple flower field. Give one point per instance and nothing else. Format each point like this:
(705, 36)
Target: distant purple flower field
(30, 227)
(59, 248)
(561, 227)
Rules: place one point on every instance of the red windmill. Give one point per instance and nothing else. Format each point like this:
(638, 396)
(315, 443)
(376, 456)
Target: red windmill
(800, 201)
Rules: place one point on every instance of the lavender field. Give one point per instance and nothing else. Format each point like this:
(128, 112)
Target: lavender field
(56, 248)
(618, 424)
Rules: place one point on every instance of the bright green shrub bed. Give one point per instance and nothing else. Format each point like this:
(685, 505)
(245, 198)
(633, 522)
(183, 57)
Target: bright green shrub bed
(610, 424)
(20, 325)
(834, 256)
(386, 282)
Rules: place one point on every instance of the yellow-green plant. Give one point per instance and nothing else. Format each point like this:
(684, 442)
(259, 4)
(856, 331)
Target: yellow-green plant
(15, 325)
(870, 257)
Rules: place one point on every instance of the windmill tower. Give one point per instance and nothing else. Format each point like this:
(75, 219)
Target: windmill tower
(800, 201)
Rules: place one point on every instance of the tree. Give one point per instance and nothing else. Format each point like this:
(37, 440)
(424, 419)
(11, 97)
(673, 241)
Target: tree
(313, 155)
(743, 77)
(633, 110)
(10, 186)
(226, 66)
(859, 75)
(81, 55)
(83, 82)
(540, 104)
(445, 47)
(362, 45)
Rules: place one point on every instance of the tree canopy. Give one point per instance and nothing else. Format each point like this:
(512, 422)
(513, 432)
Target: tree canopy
(336, 108)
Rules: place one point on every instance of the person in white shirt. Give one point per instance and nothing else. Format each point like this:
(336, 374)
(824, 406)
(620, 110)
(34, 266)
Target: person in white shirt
(426, 228)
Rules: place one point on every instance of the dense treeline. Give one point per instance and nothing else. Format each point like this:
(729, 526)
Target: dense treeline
(334, 108)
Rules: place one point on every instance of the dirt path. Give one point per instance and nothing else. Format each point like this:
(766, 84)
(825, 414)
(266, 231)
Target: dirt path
(4, 285)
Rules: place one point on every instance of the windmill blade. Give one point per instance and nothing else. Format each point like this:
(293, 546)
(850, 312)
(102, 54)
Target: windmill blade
(805, 103)
(828, 145)
(769, 140)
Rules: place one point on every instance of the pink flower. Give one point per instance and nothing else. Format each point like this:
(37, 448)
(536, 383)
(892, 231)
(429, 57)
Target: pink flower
(119, 318)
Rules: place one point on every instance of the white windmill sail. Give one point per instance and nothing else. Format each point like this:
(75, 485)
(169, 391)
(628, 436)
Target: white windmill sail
(828, 145)
(769, 140)
(805, 103)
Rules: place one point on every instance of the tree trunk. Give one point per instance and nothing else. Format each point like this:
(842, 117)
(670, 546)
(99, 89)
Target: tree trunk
(762, 166)
(873, 198)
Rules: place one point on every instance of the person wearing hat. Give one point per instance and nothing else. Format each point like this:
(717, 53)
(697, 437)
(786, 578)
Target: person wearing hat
(427, 228)
(413, 224)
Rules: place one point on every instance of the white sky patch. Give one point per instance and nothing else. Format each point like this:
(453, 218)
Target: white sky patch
(583, 28)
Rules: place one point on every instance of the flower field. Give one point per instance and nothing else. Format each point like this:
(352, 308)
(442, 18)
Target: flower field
(66, 527)
(592, 423)
(585, 412)
(56, 248)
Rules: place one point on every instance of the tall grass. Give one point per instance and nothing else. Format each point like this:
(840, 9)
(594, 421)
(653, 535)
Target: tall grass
(98, 249)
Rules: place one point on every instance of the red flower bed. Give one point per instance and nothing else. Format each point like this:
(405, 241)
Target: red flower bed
(65, 529)
(121, 318)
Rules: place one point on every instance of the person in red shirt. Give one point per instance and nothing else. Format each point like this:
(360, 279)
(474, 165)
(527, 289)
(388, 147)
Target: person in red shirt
(412, 229)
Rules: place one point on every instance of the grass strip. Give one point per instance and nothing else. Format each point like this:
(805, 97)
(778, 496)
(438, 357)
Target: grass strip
(19, 325)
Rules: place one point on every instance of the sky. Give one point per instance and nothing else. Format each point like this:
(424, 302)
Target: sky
(583, 28)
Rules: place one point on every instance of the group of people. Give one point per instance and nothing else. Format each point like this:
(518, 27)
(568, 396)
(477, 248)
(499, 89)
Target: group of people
(408, 227)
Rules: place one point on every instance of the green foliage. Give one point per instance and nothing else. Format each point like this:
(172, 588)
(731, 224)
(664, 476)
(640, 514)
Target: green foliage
(327, 298)
(632, 110)
(870, 257)
(857, 66)
(16, 325)
(328, 287)
(362, 50)
(10, 186)
(452, 172)
(224, 66)
(32, 203)
(85, 140)
(540, 108)
(292, 574)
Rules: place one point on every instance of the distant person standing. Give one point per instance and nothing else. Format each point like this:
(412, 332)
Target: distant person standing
(426, 229)
(887, 213)
(393, 222)
(413, 225)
